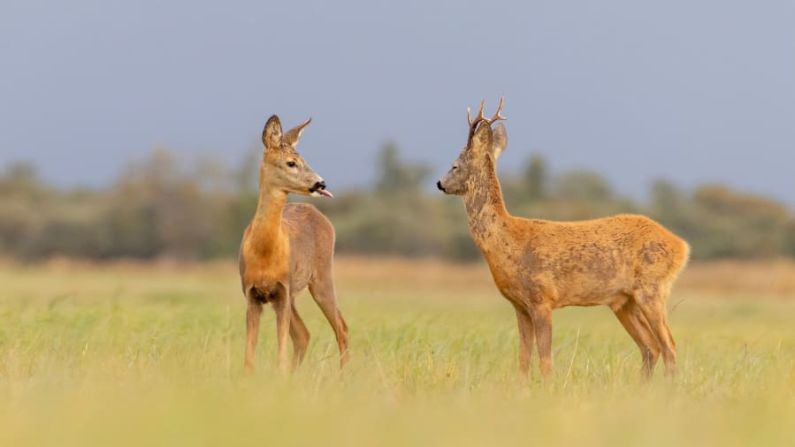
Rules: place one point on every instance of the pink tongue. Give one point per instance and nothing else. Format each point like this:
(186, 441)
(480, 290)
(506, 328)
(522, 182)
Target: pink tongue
(325, 193)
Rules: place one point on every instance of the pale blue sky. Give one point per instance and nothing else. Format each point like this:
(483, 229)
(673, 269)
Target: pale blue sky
(689, 90)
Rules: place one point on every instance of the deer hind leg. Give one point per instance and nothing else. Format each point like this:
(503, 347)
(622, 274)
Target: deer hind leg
(253, 317)
(542, 323)
(299, 334)
(631, 317)
(322, 290)
(652, 305)
(527, 338)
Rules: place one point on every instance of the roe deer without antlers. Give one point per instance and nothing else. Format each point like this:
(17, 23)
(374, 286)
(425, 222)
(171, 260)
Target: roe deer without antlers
(288, 247)
(627, 262)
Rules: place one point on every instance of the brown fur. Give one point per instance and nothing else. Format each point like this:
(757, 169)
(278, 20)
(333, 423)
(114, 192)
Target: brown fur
(287, 248)
(626, 262)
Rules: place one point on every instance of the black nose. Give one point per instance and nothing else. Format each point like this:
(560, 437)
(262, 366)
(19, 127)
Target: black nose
(317, 186)
(439, 185)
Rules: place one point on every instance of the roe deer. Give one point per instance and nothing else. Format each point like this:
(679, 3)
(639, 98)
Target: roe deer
(287, 247)
(627, 262)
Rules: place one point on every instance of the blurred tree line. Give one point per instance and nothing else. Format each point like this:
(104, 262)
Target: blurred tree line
(159, 208)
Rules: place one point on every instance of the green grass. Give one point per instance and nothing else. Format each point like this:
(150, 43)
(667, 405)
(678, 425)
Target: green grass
(145, 356)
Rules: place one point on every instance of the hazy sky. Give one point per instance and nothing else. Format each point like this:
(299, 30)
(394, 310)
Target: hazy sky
(688, 90)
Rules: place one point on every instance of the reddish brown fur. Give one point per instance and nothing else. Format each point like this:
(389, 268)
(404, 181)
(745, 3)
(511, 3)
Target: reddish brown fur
(627, 262)
(287, 248)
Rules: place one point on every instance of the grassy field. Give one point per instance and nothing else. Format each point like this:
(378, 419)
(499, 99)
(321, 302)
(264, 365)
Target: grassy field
(129, 354)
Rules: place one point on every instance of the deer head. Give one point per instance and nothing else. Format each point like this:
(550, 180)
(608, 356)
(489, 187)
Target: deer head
(483, 144)
(282, 166)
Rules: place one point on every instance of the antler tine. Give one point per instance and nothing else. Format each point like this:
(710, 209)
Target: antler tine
(497, 116)
(481, 116)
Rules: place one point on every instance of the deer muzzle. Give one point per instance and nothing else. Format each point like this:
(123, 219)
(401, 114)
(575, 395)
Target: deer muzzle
(319, 190)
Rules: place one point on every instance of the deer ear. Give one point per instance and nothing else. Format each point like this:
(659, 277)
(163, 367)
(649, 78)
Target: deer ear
(294, 135)
(272, 133)
(500, 140)
(482, 137)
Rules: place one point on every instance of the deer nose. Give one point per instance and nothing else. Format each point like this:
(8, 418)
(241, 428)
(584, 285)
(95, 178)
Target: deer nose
(318, 185)
(439, 185)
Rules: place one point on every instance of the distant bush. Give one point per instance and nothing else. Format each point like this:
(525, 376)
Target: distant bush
(158, 207)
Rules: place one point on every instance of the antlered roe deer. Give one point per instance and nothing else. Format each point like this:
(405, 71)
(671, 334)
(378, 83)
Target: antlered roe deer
(287, 247)
(627, 262)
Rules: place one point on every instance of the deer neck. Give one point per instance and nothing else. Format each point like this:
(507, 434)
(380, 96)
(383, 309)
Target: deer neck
(485, 207)
(266, 227)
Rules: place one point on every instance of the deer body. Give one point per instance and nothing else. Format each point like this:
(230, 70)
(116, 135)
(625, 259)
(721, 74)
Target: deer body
(626, 262)
(287, 248)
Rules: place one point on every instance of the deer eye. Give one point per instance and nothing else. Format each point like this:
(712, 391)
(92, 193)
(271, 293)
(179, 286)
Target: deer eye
(455, 167)
(291, 164)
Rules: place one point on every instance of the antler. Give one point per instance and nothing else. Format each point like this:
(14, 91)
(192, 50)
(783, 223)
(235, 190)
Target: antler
(480, 116)
(497, 116)
(473, 124)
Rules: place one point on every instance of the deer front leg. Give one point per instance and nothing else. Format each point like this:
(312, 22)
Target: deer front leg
(526, 338)
(253, 314)
(542, 323)
(283, 309)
